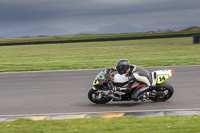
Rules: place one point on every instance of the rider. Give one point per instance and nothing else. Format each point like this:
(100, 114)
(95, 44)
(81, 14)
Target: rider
(134, 73)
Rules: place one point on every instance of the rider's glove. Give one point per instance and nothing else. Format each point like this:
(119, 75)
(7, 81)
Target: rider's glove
(108, 70)
(114, 68)
(111, 69)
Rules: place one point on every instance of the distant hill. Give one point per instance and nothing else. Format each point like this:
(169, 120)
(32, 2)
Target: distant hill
(125, 28)
(118, 28)
(109, 29)
(193, 28)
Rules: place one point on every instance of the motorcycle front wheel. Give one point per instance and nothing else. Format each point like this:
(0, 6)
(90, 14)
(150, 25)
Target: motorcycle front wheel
(96, 97)
(162, 92)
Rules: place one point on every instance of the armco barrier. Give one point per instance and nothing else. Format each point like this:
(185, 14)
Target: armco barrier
(196, 39)
(102, 39)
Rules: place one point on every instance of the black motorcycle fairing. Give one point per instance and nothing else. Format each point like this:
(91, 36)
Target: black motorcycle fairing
(102, 80)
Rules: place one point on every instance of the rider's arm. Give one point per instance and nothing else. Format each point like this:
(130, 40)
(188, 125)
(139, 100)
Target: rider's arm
(130, 73)
(131, 77)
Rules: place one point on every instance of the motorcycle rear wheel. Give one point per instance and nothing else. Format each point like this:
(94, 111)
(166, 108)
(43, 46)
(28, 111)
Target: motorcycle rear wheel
(162, 92)
(96, 97)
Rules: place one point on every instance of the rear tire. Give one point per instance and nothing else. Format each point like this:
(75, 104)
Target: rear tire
(162, 92)
(93, 96)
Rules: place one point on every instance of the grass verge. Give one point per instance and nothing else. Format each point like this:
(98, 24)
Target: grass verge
(90, 55)
(129, 124)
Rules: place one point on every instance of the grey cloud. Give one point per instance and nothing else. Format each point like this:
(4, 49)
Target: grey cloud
(45, 9)
(79, 15)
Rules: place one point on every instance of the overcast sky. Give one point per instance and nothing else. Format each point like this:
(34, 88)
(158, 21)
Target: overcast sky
(89, 15)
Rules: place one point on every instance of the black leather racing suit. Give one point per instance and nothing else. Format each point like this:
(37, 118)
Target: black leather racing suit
(136, 73)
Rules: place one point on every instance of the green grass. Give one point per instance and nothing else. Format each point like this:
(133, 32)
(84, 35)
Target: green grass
(130, 124)
(83, 56)
(85, 36)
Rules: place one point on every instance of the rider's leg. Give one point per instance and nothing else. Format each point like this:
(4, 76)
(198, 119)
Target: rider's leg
(127, 88)
(146, 80)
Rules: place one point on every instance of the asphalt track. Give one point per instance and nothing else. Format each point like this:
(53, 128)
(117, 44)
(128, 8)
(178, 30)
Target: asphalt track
(66, 92)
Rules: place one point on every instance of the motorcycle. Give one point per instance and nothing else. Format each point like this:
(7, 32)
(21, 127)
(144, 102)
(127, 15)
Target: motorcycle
(102, 91)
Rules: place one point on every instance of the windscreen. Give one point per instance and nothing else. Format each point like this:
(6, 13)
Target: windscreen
(103, 75)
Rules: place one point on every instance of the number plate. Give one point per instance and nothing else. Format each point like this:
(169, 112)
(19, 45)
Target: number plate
(162, 78)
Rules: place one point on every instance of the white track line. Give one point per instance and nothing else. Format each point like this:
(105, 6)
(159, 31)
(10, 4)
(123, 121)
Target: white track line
(78, 113)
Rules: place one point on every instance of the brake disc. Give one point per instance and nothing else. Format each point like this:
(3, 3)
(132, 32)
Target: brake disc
(161, 94)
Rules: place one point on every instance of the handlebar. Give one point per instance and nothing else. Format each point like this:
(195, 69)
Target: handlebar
(110, 70)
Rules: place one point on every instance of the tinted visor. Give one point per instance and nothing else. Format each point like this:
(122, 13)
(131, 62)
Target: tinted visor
(120, 69)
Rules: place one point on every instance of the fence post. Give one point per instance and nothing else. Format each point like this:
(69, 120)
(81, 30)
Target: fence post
(196, 39)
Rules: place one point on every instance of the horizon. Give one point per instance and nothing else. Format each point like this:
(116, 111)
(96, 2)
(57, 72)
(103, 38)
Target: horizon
(152, 31)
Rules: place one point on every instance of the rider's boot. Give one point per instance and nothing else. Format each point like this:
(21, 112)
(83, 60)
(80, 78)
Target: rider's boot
(119, 91)
(116, 94)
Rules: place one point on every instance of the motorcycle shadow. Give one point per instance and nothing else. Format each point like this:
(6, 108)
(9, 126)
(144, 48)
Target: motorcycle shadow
(122, 104)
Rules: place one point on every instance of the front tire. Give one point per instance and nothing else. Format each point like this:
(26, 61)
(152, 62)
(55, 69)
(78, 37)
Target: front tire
(162, 92)
(96, 97)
